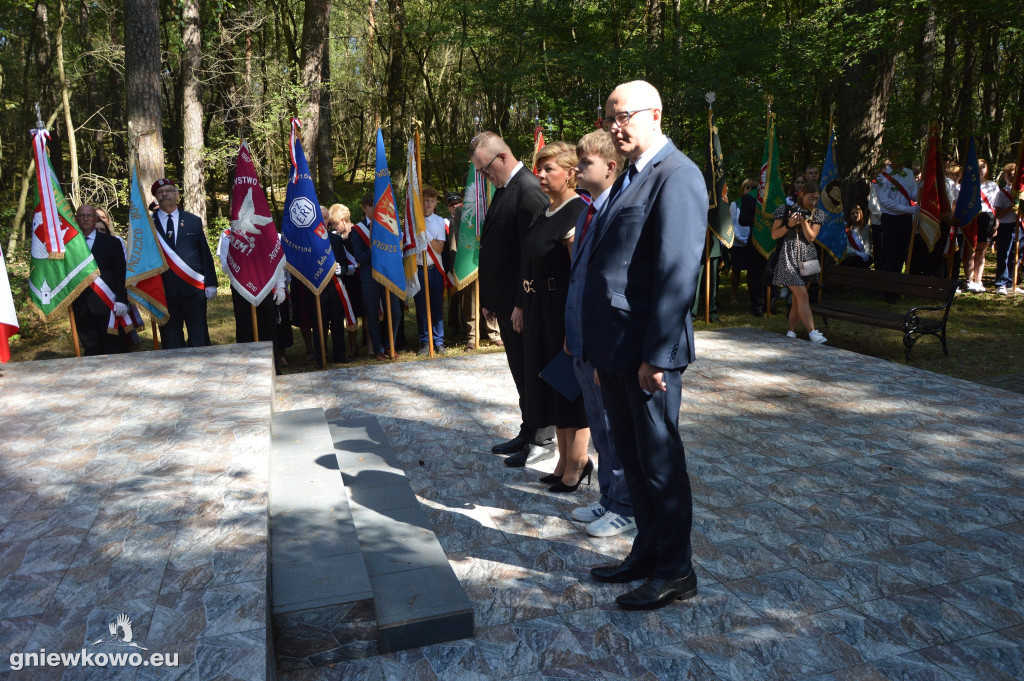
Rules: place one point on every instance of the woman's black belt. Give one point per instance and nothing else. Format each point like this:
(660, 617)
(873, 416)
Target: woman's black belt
(531, 285)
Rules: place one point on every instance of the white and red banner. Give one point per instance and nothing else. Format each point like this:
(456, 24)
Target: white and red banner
(8, 317)
(255, 256)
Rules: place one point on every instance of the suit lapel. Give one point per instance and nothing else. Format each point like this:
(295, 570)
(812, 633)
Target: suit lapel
(618, 200)
(499, 199)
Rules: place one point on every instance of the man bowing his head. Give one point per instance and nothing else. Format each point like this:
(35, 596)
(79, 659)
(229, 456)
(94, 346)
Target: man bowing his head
(640, 282)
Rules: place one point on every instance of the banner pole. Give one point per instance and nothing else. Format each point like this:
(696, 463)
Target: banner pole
(255, 328)
(156, 338)
(74, 332)
(476, 311)
(320, 330)
(910, 249)
(707, 276)
(426, 298)
(1016, 253)
(391, 330)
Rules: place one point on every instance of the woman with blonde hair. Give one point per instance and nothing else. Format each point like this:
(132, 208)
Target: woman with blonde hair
(540, 313)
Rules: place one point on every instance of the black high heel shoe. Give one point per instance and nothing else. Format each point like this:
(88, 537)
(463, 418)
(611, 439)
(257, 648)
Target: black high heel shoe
(585, 473)
(550, 479)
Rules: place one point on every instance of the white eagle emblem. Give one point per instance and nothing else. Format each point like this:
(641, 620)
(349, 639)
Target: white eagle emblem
(120, 633)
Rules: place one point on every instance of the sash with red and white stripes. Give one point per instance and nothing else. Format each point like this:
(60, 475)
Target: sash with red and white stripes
(51, 217)
(178, 266)
(346, 302)
(899, 188)
(363, 232)
(987, 203)
(105, 294)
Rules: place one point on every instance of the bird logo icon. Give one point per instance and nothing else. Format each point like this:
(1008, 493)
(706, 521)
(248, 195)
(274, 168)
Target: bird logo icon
(120, 633)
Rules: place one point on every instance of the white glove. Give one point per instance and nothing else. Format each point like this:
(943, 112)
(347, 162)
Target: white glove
(211, 292)
(120, 309)
(337, 270)
(351, 270)
(278, 296)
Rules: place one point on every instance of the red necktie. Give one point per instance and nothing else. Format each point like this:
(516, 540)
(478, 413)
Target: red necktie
(586, 222)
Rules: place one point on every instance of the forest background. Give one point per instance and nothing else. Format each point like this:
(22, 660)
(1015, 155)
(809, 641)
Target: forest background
(192, 77)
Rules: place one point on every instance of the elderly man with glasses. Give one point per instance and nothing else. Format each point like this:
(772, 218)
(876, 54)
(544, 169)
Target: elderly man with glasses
(516, 203)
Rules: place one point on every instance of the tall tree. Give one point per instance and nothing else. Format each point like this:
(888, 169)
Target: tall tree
(142, 85)
(192, 110)
(315, 29)
(325, 140)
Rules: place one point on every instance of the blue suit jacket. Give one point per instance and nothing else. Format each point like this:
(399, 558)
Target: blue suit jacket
(642, 267)
(363, 254)
(191, 246)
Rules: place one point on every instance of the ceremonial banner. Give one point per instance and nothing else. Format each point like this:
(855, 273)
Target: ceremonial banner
(62, 265)
(934, 199)
(770, 194)
(832, 236)
(474, 209)
(8, 316)
(307, 249)
(968, 203)
(1017, 187)
(414, 238)
(538, 144)
(255, 256)
(386, 232)
(146, 260)
(719, 217)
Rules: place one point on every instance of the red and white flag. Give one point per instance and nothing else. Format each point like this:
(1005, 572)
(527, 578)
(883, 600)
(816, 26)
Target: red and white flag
(255, 256)
(8, 317)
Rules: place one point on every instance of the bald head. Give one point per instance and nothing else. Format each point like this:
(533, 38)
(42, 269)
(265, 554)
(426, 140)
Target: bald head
(492, 157)
(634, 109)
(85, 216)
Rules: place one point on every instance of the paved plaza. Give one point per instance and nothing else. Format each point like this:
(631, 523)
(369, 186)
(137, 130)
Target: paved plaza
(854, 519)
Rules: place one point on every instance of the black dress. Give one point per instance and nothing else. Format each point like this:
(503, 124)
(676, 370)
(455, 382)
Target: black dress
(545, 272)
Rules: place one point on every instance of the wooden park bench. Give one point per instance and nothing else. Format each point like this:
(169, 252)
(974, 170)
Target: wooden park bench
(911, 323)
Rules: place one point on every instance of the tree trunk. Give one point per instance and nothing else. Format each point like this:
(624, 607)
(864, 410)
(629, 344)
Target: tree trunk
(192, 110)
(315, 28)
(924, 81)
(860, 116)
(396, 90)
(325, 141)
(989, 132)
(65, 96)
(949, 46)
(966, 118)
(142, 81)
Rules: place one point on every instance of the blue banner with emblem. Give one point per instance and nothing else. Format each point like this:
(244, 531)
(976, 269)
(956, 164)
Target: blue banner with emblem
(968, 203)
(307, 249)
(832, 236)
(386, 230)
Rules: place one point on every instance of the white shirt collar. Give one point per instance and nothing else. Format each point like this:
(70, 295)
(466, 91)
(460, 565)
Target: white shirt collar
(519, 166)
(651, 152)
(602, 198)
(163, 216)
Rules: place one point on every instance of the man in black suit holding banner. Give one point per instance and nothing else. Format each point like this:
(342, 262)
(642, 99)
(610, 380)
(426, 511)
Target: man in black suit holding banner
(641, 276)
(517, 201)
(191, 280)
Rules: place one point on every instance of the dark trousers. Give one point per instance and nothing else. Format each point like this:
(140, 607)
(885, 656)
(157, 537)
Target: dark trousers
(610, 477)
(536, 433)
(185, 312)
(896, 231)
(645, 432)
(92, 334)
(266, 320)
(373, 302)
(755, 274)
(333, 315)
(436, 308)
(1004, 253)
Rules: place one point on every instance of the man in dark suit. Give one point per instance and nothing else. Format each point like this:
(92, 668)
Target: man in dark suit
(186, 236)
(517, 201)
(641, 275)
(92, 316)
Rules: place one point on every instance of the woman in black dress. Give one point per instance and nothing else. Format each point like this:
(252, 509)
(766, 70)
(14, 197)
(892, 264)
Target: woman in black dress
(540, 315)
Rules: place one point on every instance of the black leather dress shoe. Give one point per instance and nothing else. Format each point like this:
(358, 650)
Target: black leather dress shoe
(619, 573)
(530, 455)
(512, 446)
(657, 593)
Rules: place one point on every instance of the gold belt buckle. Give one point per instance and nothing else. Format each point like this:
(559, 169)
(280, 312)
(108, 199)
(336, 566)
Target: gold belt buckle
(528, 286)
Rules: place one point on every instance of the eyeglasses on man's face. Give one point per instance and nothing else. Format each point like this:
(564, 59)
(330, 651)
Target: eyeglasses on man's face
(622, 118)
(486, 170)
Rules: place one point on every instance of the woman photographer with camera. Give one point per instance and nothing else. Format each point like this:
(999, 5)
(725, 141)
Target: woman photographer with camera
(795, 229)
